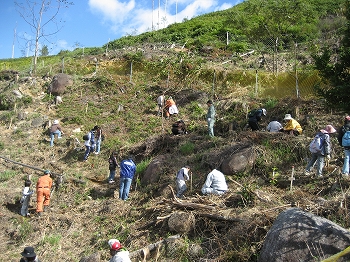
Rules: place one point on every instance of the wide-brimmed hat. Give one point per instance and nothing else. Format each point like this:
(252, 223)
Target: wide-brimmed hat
(114, 244)
(55, 122)
(330, 129)
(28, 252)
(287, 117)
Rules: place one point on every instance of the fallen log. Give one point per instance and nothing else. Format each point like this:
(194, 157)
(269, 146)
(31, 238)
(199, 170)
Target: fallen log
(221, 218)
(145, 252)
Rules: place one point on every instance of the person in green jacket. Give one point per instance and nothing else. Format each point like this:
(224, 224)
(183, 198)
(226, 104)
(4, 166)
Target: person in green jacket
(211, 117)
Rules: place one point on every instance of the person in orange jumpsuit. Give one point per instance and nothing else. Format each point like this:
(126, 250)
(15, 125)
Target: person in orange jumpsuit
(43, 187)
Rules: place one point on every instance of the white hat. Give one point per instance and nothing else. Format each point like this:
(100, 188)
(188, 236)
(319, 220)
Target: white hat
(330, 129)
(55, 122)
(287, 117)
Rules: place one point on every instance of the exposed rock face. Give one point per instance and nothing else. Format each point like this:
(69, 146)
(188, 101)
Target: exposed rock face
(155, 169)
(241, 160)
(300, 236)
(92, 258)
(59, 84)
(181, 222)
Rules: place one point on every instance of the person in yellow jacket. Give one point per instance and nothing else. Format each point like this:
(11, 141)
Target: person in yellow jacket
(43, 191)
(292, 126)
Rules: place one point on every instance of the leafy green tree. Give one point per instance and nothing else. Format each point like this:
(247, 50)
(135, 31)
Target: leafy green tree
(334, 66)
(44, 51)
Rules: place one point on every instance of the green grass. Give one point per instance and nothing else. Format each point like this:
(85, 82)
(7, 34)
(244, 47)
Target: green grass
(7, 175)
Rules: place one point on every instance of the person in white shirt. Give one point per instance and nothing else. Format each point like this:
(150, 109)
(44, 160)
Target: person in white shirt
(181, 177)
(118, 253)
(274, 125)
(215, 183)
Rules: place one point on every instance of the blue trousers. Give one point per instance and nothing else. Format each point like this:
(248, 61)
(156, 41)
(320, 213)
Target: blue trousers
(125, 184)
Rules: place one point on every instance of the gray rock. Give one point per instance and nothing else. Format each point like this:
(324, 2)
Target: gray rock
(36, 122)
(92, 258)
(241, 160)
(59, 84)
(301, 236)
(181, 222)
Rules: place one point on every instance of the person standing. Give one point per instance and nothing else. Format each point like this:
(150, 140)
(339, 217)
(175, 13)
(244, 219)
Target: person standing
(127, 172)
(211, 118)
(254, 117)
(344, 143)
(320, 148)
(25, 199)
(98, 139)
(43, 187)
(55, 129)
(181, 177)
(160, 101)
(118, 253)
(29, 255)
(292, 126)
(274, 125)
(113, 164)
(89, 144)
(215, 183)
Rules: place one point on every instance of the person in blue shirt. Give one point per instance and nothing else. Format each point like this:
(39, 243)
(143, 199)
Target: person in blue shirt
(254, 117)
(127, 172)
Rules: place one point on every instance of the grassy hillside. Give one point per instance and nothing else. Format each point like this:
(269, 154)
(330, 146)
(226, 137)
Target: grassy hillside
(117, 90)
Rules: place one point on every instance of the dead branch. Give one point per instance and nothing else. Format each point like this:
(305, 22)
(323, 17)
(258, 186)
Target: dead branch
(193, 205)
(221, 218)
(144, 252)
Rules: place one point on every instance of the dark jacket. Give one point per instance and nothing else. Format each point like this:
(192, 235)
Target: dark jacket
(342, 131)
(256, 117)
(113, 164)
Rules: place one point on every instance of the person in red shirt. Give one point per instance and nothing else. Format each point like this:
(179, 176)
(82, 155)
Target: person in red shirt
(43, 190)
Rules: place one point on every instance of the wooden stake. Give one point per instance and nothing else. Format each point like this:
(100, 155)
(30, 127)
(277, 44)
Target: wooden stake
(291, 179)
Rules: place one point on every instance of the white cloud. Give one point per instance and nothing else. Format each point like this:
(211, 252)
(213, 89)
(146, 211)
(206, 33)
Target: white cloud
(128, 18)
(112, 10)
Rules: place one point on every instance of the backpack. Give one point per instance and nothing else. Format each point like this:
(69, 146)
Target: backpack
(179, 128)
(252, 113)
(317, 144)
(346, 138)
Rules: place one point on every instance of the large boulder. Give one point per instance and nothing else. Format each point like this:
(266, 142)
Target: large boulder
(181, 222)
(242, 159)
(301, 236)
(59, 84)
(155, 169)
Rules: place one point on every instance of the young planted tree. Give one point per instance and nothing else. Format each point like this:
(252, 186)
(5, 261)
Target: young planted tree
(333, 65)
(39, 15)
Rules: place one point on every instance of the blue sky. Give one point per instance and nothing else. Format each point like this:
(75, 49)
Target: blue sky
(92, 23)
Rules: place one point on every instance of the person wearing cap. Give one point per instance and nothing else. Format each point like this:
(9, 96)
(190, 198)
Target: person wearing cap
(324, 151)
(55, 129)
(211, 117)
(127, 172)
(215, 183)
(28, 255)
(118, 253)
(291, 126)
(254, 117)
(170, 107)
(43, 187)
(113, 164)
(181, 177)
(341, 132)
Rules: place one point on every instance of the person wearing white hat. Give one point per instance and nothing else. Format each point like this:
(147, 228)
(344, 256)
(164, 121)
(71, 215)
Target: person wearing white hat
(118, 253)
(254, 117)
(292, 126)
(55, 129)
(320, 147)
